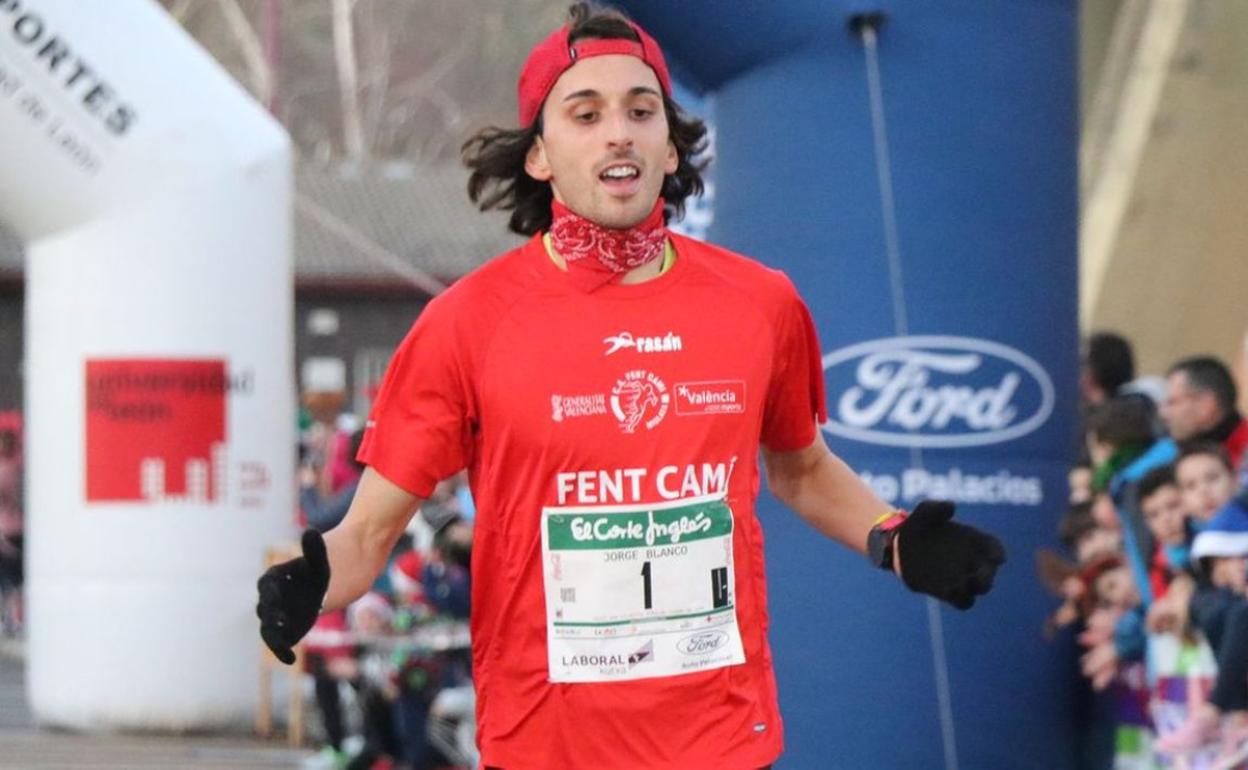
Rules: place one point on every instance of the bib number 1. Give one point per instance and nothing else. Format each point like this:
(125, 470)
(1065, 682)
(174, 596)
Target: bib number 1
(639, 591)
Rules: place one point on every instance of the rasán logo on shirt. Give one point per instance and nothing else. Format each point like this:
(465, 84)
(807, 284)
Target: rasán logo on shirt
(640, 398)
(935, 391)
(665, 344)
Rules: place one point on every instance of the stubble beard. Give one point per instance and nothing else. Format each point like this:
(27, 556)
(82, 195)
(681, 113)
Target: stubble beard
(615, 216)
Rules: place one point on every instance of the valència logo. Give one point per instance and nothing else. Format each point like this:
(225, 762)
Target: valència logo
(935, 392)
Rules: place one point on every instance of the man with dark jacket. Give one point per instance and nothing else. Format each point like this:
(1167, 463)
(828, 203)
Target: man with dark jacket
(1200, 405)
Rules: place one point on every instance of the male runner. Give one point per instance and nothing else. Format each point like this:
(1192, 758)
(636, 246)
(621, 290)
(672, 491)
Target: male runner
(609, 386)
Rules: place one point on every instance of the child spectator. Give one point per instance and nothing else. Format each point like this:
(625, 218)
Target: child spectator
(1221, 610)
(1181, 664)
(1203, 472)
(1161, 502)
(1205, 477)
(1113, 587)
(1110, 595)
(1123, 448)
(1090, 543)
(1080, 532)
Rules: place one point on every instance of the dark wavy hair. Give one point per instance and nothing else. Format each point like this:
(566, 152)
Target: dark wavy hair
(496, 156)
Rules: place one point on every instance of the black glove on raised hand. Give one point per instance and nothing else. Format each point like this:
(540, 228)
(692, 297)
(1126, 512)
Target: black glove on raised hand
(290, 597)
(941, 558)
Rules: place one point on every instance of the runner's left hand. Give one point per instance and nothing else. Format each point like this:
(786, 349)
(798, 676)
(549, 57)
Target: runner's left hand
(950, 561)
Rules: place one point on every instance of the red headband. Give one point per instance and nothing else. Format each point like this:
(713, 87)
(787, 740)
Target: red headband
(553, 56)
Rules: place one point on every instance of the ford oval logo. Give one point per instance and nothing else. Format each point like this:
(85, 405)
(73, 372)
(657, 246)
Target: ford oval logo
(939, 392)
(702, 642)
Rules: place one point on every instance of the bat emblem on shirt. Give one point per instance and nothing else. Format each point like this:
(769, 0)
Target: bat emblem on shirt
(639, 399)
(634, 398)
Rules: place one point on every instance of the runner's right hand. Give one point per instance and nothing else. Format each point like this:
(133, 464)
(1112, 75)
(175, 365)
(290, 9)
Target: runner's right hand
(291, 594)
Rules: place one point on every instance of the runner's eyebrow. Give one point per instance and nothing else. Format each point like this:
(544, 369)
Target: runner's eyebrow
(589, 93)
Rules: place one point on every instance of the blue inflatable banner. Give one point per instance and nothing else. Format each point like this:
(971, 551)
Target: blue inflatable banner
(916, 177)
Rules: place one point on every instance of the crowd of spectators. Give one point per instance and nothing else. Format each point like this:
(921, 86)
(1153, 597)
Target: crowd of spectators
(392, 673)
(1153, 584)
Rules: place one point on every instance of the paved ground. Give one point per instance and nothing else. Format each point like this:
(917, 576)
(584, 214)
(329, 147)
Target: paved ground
(25, 747)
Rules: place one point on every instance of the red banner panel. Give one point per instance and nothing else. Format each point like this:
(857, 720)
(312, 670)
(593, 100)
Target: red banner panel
(156, 430)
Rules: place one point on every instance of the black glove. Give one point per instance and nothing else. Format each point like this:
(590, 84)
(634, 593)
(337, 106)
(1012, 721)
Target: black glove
(941, 558)
(291, 594)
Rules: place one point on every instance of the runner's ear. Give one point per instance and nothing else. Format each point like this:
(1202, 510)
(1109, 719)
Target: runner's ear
(536, 164)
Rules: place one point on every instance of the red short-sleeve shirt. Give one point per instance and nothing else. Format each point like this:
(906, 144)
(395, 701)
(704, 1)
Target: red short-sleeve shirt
(630, 394)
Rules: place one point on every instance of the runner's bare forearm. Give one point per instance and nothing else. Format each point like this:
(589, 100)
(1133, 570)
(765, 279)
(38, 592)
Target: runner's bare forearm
(825, 492)
(359, 546)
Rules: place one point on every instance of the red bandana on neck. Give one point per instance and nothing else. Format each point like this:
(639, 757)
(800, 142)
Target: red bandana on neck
(598, 255)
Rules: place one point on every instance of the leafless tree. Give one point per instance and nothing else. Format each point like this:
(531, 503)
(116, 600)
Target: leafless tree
(374, 80)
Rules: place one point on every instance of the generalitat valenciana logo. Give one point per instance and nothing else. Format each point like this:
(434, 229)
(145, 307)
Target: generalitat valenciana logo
(935, 391)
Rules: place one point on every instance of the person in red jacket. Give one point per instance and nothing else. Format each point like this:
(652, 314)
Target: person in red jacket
(609, 386)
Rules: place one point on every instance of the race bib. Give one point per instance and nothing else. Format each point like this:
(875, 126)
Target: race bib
(639, 591)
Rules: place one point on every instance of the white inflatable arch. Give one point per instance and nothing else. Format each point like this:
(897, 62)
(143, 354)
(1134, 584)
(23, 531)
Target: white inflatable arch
(153, 197)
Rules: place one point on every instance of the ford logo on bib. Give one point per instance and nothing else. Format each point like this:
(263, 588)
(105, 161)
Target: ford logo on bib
(702, 643)
(938, 392)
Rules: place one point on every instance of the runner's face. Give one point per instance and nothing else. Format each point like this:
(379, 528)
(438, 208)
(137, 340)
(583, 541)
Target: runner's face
(605, 144)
